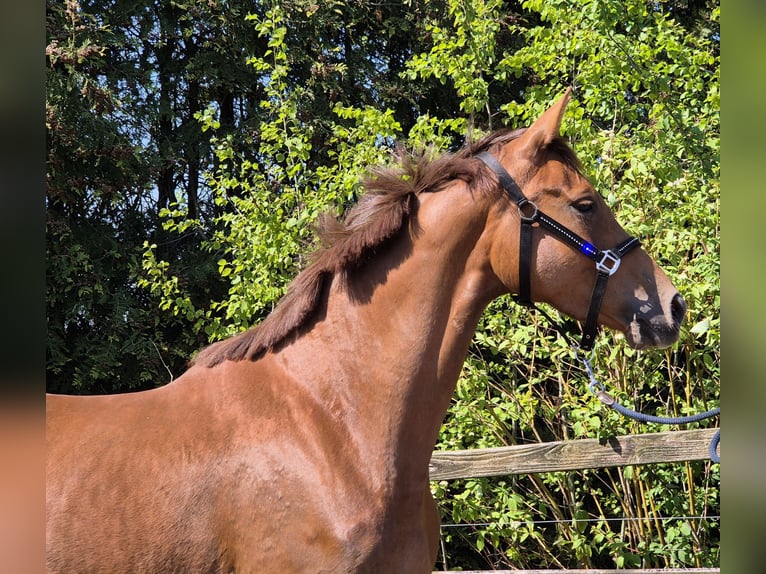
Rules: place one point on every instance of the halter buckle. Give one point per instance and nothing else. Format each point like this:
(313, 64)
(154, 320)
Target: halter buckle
(609, 262)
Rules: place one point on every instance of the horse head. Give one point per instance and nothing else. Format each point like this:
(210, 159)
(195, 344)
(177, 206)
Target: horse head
(638, 300)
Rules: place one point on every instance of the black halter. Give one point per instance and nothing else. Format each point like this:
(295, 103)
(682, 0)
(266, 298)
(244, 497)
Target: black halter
(607, 261)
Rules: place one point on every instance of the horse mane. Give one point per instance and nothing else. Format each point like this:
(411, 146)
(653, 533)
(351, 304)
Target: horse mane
(380, 214)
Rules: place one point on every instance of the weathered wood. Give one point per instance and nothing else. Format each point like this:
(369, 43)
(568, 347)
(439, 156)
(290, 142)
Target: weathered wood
(594, 571)
(671, 446)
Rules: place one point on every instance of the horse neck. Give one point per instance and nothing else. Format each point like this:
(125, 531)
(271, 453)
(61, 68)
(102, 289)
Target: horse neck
(387, 352)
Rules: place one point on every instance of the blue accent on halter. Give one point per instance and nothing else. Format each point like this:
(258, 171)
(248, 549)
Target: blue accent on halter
(589, 249)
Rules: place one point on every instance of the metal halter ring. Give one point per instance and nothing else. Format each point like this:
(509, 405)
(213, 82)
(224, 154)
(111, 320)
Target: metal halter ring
(535, 213)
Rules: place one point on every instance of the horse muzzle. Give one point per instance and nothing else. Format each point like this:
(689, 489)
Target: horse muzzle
(659, 330)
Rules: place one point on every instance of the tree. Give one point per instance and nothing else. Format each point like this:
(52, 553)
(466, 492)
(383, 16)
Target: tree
(128, 84)
(95, 182)
(125, 81)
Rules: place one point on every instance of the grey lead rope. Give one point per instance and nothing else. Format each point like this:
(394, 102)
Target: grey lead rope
(597, 388)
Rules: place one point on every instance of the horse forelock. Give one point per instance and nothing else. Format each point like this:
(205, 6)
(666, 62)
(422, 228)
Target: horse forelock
(345, 246)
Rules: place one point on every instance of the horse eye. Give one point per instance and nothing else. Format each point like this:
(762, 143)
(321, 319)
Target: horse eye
(584, 206)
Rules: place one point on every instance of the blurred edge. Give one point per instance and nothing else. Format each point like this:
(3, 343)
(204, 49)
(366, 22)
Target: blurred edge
(22, 288)
(743, 206)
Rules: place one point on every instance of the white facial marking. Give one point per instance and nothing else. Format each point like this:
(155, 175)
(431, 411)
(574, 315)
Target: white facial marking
(640, 293)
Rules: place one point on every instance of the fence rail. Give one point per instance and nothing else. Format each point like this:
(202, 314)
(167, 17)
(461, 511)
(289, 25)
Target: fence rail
(671, 446)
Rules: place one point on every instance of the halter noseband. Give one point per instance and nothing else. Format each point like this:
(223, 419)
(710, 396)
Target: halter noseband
(607, 261)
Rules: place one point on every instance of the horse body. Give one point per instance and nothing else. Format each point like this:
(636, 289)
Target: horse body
(313, 456)
(346, 482)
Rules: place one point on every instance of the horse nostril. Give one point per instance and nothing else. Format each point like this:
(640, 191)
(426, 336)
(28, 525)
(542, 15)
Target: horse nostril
(678, 308)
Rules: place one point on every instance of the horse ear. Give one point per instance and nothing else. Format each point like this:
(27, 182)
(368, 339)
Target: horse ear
(545, 129)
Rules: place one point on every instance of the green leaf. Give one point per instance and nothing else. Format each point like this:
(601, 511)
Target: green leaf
(700, 327)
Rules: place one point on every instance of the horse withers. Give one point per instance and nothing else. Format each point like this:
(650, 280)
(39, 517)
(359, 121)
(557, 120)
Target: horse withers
(302, 445)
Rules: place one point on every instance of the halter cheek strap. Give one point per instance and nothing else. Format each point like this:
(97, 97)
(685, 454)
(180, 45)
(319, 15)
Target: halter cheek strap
(607, 261)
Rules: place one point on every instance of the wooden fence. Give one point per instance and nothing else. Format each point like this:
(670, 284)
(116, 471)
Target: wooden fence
(671, 446)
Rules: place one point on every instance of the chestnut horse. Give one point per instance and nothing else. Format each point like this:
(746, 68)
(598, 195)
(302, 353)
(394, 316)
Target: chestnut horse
(302, 445)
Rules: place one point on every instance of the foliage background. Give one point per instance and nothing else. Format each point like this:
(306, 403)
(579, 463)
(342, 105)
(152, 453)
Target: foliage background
(191, 145)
